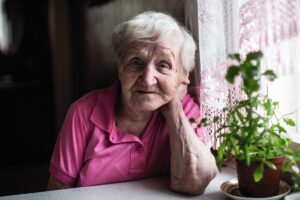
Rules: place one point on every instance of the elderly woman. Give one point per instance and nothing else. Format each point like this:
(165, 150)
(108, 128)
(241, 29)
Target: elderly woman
(139, 126)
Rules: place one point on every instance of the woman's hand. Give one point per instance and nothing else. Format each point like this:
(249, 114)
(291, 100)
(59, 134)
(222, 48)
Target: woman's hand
(172, 107)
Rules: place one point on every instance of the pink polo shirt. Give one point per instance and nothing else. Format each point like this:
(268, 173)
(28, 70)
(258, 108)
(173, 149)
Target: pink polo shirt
(90, 151)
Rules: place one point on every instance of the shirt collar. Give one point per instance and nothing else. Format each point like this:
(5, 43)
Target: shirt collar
(103, 114)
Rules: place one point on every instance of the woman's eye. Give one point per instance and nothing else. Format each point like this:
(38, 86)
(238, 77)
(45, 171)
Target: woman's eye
(164, 65)
(136, 61)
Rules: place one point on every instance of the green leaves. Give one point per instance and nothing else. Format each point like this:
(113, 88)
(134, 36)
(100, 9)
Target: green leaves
(215, 119)
(192, 120)
(249, 129)
(271, 76)
(270, 164)
(204, 122)
(268, 106)
(232, 72)
(286, 166)
(235, 56)
(220, 155)
(251, 84)
(249, 70)
(247, 155)
(256, 55)
(289, 121)
(259, 172)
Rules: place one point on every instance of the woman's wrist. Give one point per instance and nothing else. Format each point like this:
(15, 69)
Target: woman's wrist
(173, 109)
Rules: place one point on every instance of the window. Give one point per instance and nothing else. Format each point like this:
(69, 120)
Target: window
(224, 27)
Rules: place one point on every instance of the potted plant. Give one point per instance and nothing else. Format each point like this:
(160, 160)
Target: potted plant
(252, 133)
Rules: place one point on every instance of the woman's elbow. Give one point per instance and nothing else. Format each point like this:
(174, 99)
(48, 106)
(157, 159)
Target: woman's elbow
(189, 189)
(196, 186)
(54, 184)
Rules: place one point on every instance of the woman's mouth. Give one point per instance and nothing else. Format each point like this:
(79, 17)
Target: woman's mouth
(145, 92)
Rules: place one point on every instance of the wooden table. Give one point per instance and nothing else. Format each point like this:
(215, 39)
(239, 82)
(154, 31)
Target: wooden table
(147, 189)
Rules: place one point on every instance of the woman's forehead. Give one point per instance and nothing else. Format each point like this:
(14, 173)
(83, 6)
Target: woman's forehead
(168, 49)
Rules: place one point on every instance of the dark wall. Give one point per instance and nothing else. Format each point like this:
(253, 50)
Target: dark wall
(26, 92)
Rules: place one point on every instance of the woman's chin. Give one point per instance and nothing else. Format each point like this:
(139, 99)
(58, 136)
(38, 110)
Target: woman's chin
(145, 107)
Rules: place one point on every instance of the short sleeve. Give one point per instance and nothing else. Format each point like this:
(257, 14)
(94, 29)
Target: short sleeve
(192, 110)
(67, 157)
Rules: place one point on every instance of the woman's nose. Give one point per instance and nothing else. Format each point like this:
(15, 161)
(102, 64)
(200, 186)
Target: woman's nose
(148, 76)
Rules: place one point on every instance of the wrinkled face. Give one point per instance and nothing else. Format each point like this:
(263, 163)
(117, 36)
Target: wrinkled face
(150, 75)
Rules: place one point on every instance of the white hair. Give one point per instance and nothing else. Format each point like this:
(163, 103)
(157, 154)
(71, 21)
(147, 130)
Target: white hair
(153, 27)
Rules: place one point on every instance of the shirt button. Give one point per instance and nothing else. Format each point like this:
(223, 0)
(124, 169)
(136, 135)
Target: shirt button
(139, 148)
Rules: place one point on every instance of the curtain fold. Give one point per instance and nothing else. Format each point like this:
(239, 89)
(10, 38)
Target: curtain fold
(214, 24)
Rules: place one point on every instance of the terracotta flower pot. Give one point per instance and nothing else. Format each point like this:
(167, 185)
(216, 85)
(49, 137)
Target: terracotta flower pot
(268, 186)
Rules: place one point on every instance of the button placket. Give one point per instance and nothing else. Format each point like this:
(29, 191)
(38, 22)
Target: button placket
(137, 159)
(139, 148)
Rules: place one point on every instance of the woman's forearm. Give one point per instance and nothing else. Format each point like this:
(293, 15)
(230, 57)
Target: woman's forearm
(192, 164)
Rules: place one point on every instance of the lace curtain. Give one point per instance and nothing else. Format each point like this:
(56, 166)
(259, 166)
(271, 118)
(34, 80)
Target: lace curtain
(273, 27)
(222, 27)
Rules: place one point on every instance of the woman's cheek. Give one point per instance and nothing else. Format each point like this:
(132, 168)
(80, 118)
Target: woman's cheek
(169, 89)
(128, 79)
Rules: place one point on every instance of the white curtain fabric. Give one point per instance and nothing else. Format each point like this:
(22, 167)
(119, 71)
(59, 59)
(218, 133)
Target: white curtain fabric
(222, 27)
(274, 28)
(215, 26)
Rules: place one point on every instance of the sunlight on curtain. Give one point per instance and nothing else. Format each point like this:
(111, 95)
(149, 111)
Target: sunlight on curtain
(274, 28)
(214, 24)
(222, 27)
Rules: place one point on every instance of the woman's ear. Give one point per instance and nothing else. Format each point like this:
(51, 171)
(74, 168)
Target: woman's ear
(184, 77)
